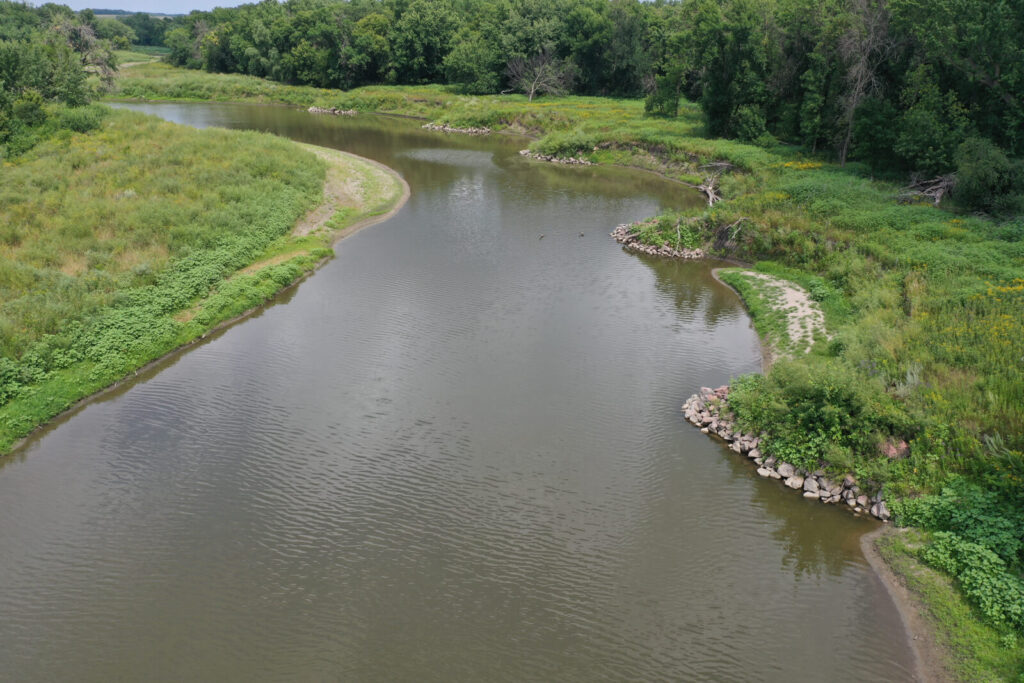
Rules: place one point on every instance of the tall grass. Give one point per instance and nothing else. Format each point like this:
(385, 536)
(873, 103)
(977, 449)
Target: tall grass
(108, 234)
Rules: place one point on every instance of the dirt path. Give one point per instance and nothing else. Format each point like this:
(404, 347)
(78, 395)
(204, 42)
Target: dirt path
(342, 190)
(804, 317)
(352, 184)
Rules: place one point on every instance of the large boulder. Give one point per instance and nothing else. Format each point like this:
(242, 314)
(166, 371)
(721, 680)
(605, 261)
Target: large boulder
(786, 470)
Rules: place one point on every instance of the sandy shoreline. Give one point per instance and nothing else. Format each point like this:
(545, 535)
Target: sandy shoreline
(928, 654)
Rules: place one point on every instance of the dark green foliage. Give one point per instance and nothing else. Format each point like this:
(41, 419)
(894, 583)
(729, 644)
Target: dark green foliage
(983, 174)
(46, 55)
(932, 124)
(473, 65)
(983, 577)
(816, 412)
(859, 80)
(977, 515)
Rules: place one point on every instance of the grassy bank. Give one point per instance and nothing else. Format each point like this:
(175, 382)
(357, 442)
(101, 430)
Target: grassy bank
(918, 387)
(121, 244)
(970, 650)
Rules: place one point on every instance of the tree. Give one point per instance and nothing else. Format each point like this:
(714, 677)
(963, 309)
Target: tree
(864, 47)
(118, 33)
(734, 77)
(472, 64)
(542, 73)
(422, 38)
(932, 124)
(983, 174)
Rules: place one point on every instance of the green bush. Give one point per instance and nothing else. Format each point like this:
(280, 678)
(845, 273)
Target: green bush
(983, 174)
(82, 119)
(973, 513)
(816, 412)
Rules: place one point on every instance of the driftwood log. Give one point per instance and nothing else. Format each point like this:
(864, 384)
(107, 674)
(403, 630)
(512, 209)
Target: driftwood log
(934, 189)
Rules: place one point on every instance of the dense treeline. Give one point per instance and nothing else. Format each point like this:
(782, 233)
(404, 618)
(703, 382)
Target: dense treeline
(48, 56)
(930, 87)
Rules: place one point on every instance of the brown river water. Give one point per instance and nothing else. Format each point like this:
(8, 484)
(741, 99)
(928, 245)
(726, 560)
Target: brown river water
(455, 453)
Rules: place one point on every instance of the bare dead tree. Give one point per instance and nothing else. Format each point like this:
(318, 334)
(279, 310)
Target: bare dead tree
(710, 189)
(542, 73)
(95, 54)
(864, 47)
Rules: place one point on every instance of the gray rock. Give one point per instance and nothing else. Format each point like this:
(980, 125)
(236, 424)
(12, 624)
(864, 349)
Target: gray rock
(874, 510)
(808, 494)
(758, 461)
(811, 486)
(852, 502)
(736, 446)
(883, 511)
(834, 499)
(704, 430)
(787, 470)
(795, 482)
(862, 500)
(849, 481)
(770, 461)
(774, 475)
(754, 453)
(764, 471)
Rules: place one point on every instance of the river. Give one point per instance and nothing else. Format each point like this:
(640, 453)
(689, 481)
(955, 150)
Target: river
(455, 453)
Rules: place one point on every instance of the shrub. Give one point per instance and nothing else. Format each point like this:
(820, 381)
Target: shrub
(971, 512)
(82, 119)
(816, 411)
(983, 174)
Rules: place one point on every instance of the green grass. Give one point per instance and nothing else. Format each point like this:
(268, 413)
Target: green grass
(975, 651)
(124, 243)
(135, 54)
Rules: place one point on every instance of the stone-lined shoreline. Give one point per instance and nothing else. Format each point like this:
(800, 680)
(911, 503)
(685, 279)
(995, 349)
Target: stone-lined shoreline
(567, 161)
(445, 128)
(625, 236)
(333, 111)
(709, 410)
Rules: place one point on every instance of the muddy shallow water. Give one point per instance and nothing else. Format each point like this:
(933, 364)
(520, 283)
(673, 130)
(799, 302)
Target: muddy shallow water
(455, 453)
